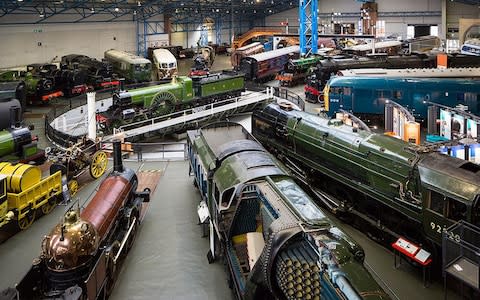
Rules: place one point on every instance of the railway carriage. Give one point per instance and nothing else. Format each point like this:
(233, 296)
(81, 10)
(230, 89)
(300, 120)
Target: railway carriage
(131, 67)
(264, 66)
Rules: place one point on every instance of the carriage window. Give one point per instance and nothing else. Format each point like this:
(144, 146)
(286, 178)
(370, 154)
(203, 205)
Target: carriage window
(397, 94)
(347, 91)
(383, 94)
(2, 187)
(436, 202)
(456, 210)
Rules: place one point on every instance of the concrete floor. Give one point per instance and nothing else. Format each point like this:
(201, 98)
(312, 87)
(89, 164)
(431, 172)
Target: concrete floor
(168, 260)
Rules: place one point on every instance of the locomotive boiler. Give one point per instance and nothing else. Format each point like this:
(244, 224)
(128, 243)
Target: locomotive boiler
(18, 144)
(82, 255)
(277, 243)
(397, 188)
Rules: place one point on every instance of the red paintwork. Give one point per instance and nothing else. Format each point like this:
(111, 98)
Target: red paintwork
(103, 209)
(312, 90)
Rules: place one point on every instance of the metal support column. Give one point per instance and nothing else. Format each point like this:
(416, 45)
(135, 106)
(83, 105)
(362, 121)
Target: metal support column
(141, 26)
(308, 10)
(218, 30)
(204, 36)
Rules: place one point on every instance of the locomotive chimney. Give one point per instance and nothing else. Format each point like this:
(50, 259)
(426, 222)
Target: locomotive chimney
(117, 156)
(15, 116)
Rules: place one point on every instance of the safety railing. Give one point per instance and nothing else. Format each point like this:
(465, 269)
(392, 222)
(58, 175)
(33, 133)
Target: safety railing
(153, 151)
(208, 107)
(284, 93)
(461, 254)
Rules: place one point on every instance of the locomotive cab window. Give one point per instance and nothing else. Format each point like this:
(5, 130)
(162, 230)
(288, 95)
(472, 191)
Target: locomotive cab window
(397, 94)
(437, 202)
(456, 210)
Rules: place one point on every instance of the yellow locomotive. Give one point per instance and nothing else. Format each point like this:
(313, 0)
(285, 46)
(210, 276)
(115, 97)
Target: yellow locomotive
(24, 193)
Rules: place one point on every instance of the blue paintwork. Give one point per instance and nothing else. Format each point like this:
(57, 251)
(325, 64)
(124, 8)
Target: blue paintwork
(368, 94)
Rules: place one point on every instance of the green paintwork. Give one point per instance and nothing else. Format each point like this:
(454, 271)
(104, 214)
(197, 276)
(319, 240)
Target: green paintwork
(132, 67)
(375, 160)
(219, 87)
(181, 89)
(7, 145)
(304, 63)
(243, 166)
(390, 171)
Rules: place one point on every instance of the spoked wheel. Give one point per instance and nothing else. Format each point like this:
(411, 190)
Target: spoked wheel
(112, 270)
(73, 187)
(98, 164)
(163, 104)
(49, 205)
(27, 220)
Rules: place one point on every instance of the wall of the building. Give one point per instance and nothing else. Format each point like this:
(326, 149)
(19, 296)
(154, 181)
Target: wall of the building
(394, 25)
(25, 44)
(188, 40)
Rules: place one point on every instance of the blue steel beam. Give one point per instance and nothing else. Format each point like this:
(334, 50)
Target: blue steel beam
(308, 10)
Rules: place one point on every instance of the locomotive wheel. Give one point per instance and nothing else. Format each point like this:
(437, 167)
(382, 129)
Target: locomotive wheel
(26, 221)
(112, 268)
(49, 205)
(163, 103)
(133, 233)
(98, 164)
(73, 187)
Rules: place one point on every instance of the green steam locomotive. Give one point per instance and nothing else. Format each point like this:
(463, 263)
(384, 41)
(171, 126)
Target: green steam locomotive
(276, 242)
(18, 145)
(398, 188)
(182, 93)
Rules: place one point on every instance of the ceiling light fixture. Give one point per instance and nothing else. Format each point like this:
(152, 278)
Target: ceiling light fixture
(139, 3)
(117, 9)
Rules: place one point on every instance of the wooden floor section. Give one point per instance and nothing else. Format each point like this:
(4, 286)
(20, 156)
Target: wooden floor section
(147, 179)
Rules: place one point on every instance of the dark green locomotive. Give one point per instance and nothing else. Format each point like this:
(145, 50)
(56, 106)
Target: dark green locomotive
(276, 241)
(182, 93)
(398, 188)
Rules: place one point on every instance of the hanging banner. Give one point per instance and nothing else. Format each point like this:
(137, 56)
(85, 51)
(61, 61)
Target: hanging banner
(458, 126)
(445, 124)
(471, 128)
